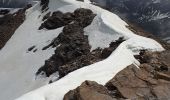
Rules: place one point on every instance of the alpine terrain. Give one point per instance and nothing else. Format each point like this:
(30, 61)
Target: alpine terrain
(77, 50)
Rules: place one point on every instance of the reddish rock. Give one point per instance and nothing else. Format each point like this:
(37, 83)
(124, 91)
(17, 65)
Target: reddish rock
(89, 91)
(140, 83)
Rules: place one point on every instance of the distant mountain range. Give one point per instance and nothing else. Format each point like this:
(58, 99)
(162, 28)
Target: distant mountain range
(152, 15)
(13, 3)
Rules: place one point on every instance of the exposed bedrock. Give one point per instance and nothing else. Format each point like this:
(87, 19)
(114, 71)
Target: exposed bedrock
(4, 11)
(84, 17)
(72, 46)
(44, 4)
(89, 90)
(149, 81)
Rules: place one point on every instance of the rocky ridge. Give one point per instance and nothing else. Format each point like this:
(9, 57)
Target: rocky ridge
(72, 46)
(149, 81)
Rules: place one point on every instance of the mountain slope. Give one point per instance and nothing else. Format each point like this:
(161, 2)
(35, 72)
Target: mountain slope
(152, 15)
(19, 65)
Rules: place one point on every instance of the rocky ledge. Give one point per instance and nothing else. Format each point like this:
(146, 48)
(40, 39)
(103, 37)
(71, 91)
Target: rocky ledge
(73, 50)
(149, 81)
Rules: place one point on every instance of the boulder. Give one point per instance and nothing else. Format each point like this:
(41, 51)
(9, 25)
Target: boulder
(54, 21)
(141, 83)
(89, 91)
(113, 45)
(4, 11)
(83, 16)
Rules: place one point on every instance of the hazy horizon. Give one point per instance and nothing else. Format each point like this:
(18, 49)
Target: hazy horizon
(13, 3)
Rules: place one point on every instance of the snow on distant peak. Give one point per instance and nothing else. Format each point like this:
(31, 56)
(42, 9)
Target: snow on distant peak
(158, 15)
(156, 1)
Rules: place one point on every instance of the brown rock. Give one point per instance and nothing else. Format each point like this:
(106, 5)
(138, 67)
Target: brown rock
(89, 91)
(162, 76)
(129, 84)
(141, 83)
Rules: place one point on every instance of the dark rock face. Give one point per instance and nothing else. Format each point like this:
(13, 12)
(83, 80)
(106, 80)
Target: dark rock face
(69, 57)
(151, 81)
(55, 21)
(46, 16)
(9, 23)
(89, 91)
(44, 4)
(84, 17)
(89, 58)
(73, 49)
(4, 11)
(71, 43)
(80, 62)
(113, 45)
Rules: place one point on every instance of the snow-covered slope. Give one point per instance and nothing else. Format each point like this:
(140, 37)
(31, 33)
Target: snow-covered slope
(18, 66)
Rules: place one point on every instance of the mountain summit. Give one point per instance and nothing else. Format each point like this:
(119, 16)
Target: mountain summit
(63, 43)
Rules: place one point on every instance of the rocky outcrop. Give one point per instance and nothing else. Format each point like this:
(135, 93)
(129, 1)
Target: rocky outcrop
(9, 23)
(72, 46)
(58, 19)
(66, 66)
(71, 43)
(149, 81)
(113, 45)
(4, 11)
(80, 62)
(84, 17)
(44, 4)
(91, 57)
(135, 83)
(89, 91)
